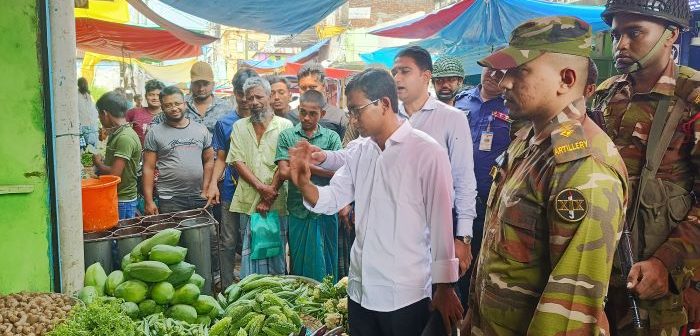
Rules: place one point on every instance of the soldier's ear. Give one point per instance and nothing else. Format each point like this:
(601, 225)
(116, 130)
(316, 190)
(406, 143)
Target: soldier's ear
(675, 34)
(568, 79)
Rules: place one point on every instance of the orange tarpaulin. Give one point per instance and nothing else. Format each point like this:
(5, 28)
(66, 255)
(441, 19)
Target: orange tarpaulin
(122, 40)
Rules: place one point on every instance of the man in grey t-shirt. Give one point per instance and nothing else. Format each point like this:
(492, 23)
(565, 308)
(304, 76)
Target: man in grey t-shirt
(181, 150)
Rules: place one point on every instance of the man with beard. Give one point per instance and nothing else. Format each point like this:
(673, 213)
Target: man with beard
(556, 209)
(260, 191)
(651, 113)
(141, 117)
(181, 150)
(201, 104)
(226, 177)
(281, 95)
(448, 75)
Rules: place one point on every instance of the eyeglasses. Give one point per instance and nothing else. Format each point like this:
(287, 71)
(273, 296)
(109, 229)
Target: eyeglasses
(355, 112)
(169, 106)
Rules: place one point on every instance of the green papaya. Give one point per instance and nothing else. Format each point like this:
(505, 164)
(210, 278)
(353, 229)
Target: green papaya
(205, 304)
(181, 272)
(132, 291)
(197, 279)
(162, 292)
(182, 312)
(95, 276)
(167, 254)
(113, 280)
(166, 237)
(87, 294)
(147, 307)
(131, 309)
(187, 294)
(149, 271)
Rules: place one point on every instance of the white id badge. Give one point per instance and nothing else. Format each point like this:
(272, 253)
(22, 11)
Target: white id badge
(486, 141)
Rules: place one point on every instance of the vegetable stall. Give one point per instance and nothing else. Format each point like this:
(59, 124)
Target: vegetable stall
(156, 293)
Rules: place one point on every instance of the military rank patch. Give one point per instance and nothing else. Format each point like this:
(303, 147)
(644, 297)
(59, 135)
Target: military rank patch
(570, 205)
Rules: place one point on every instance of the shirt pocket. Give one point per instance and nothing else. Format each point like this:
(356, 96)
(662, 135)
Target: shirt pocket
(518, 232)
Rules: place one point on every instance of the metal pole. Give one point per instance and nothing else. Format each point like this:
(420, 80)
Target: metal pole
(64, 105)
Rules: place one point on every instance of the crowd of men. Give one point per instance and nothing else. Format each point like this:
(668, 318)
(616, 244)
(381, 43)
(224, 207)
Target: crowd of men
(509, 208)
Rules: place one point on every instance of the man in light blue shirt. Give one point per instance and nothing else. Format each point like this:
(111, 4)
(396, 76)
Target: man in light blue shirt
(449, 127)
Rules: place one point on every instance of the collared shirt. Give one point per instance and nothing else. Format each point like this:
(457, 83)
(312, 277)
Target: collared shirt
(628, 117)
(335, 119)
(489, 117)
(218, 108)
(222, 141)
(449, 127)
(403, 218)
(322, 138)
(553, 219)
(259, 157)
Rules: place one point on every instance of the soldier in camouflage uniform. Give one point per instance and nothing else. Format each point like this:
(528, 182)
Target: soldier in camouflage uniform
(448, 76)
(665, 229)
(555, 210)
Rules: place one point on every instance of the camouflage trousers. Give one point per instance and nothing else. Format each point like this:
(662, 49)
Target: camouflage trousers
(665, 316)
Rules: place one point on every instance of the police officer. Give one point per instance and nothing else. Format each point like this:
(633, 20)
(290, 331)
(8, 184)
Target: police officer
(448, 76)
(557, 204)
(650, 96)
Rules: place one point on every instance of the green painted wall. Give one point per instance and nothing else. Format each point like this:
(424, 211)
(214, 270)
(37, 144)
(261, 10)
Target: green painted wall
(25, 239)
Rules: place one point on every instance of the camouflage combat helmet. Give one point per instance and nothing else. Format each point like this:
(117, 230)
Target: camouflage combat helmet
(677, 12)
(448, 66)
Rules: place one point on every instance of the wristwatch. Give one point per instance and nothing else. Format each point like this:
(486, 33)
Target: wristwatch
(465, 239)
(695, 284)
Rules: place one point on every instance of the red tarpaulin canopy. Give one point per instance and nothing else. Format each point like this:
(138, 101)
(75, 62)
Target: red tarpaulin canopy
(427, 25)
(293, 69)
(117, 39)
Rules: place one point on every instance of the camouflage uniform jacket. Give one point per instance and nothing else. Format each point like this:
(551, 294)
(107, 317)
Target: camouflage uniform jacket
(554, 217)
(628, 118)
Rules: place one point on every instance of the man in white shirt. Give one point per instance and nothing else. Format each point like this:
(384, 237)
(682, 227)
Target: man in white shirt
(400, 181)
(412, 72)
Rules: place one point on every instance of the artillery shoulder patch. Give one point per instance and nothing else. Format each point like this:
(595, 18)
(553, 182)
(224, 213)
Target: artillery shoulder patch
(569, 143)
(571, 205)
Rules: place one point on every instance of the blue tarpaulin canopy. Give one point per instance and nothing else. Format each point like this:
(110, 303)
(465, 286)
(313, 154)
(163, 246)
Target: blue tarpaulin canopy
(267, 16)
(486, 25)
(274, 64)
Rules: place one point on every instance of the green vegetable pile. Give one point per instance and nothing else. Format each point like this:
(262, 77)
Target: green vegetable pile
(86, 159)
(255, 306)
(159, 325)
(155, 279)
(328, 303)
(272, 306)
(102, 317)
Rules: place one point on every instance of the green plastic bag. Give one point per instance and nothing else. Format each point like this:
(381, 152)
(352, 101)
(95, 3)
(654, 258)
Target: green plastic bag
(265, 231)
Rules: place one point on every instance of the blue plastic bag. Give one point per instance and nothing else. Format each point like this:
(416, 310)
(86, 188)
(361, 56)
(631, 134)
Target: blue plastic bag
(265, 231)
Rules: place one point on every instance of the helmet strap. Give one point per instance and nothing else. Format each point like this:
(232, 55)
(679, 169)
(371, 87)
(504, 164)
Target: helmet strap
(642, 62)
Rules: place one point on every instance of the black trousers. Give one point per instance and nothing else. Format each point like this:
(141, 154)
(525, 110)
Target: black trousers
(407, 321)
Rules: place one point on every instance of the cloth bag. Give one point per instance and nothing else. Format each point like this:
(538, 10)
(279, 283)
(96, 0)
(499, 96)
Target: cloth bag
(265, 231)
